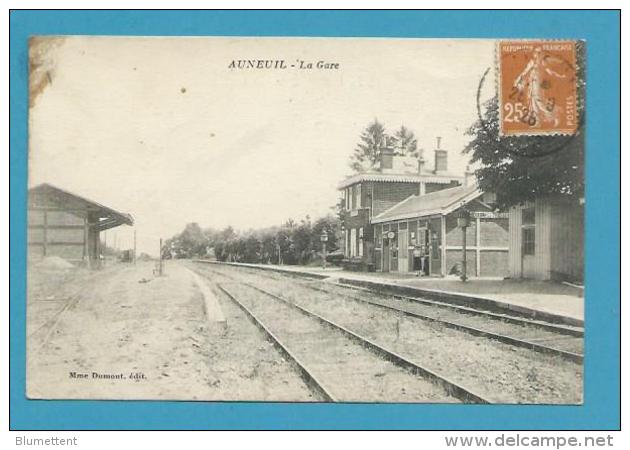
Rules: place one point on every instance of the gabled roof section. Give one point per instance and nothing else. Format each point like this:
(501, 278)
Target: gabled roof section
(45, 195)
(440, 202)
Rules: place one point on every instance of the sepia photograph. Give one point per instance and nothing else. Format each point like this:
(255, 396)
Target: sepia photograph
(267, 219)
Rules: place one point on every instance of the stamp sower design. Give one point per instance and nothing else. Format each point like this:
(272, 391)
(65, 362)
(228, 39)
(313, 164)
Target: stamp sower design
(537, 87)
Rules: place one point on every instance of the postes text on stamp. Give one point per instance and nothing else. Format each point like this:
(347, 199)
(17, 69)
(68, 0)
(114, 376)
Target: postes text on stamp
(537, 87)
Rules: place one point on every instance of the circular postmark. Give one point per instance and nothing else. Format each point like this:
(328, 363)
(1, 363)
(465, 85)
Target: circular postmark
(540, 145)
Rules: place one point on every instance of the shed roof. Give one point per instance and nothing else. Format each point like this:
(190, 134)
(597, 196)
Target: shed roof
(439, 202)
(45, 195)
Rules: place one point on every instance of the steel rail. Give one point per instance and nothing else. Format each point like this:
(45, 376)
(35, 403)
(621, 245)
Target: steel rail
(516, 342)
(560, 329)
(312, 382)
(53, 322)
(451, 387)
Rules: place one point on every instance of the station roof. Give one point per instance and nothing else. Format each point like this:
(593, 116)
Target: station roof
(425, 177)
(436, 203)
(46, 196)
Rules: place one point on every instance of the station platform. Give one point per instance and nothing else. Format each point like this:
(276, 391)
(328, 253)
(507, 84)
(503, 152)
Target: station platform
(544, 300)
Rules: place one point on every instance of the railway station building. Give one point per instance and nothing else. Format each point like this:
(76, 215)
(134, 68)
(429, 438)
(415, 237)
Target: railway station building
(421, 234)
(547, 239)
(368, 194)
(67, 225)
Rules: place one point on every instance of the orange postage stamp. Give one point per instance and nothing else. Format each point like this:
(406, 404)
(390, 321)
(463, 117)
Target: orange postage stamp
(537, 87)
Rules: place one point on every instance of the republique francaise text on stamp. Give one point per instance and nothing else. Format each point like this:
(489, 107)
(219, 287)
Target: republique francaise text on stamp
(537, 87)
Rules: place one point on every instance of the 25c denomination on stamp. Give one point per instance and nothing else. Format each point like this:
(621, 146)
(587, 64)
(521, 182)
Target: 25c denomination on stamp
(537, 87)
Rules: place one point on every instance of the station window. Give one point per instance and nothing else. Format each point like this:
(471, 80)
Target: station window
(528, 226)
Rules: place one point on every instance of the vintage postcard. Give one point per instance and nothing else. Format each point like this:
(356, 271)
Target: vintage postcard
(306, 219)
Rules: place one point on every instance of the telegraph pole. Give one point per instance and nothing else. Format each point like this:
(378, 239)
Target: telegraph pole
(134, 246)
(160, 269)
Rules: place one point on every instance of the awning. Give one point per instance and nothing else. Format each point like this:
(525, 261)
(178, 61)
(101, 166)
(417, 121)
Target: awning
(45, 196)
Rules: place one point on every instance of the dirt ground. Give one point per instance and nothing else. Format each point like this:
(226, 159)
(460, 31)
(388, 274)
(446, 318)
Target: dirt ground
(122, 333)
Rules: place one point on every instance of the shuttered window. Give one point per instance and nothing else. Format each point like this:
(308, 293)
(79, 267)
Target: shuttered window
(360, 243)
(353, 242)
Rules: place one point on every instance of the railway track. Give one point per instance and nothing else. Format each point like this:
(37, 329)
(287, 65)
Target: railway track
(43, 333)
(337, 363)
(519, 335)
(563, 341)
(499, 372)
(311, 381)
(556, 328)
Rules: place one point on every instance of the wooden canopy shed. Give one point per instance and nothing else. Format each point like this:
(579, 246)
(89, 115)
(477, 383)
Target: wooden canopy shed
(547, 239)
(67, 225)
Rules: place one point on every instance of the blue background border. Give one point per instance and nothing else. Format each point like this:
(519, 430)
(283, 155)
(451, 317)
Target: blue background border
(601, 409)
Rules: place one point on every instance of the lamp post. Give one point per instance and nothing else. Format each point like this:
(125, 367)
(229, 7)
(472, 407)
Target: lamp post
(463, 221)
(323, 238)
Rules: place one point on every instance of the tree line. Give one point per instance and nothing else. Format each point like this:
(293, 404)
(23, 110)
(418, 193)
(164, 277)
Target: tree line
(290, 243)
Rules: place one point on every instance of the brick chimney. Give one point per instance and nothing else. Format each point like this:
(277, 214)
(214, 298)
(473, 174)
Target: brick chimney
(421, 162)
(387, 157)
(469, 176)
(441, 158)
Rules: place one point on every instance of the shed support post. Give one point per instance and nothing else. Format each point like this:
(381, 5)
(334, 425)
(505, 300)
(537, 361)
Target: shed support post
(86, 256)
(478, 245)
(464, 251)
(45, 234)
(443, 241)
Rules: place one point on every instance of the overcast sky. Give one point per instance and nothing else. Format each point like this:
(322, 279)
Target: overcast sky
(163, 129)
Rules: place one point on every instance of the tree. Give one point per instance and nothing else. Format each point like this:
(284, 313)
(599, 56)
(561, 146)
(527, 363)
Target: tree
(251, 249)
(405, 142)
(189, 243)
(332, 226)
(521, 168)
(269, 245)
(285, 242)
(368, 151)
